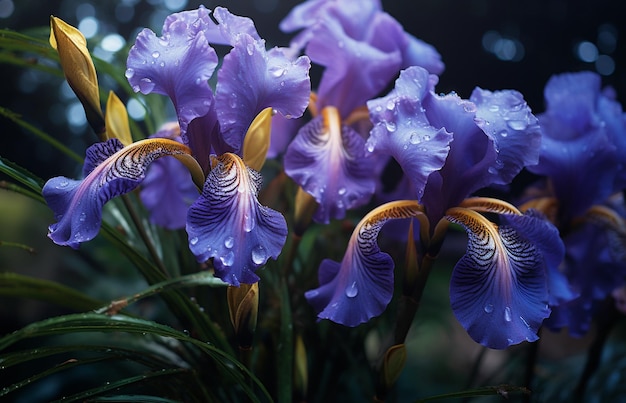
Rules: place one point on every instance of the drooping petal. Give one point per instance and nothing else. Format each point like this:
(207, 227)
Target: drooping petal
(110, 170)
(360, 287)
(252, 79)
(228, 223)
(179, 65)
(402, 129)
(498, 289)
(168, 190)
(329, 162)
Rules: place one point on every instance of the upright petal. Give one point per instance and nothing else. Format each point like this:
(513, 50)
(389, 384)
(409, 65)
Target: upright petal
(329, 162)
(402, 129)
(583, 143)
(252, 79)
(498, 289)
(179, 65)
(228, 223)
(110, 170)
(360, 287)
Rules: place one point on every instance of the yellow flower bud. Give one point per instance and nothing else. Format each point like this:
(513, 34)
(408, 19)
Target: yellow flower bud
(116, 120)
(243, 305)
(257, 140)
(78, 68)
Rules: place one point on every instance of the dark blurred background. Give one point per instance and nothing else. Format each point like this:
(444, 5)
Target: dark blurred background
(493, 44)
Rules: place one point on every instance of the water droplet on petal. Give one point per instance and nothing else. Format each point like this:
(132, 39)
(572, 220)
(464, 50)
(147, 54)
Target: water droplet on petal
(250, 49)
(391, 126)
(516, 124)
(391, 105)
(488, 308)
(503, 133)
(193, 240)
(277, 72)
(62, 184)
(414, 138)
(229, 242)
(426, 137)
(156, 54)
(341, 191)
(507, 314)
(146, 85)
(259, 256)
(352, 291)
(82, 217)
(249, 222)
(228, 259)
(129, 73)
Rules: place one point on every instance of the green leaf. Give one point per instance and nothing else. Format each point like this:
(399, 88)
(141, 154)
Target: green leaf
(229, 369)
(23, 176)
(502, 390)
(17, 119)
(17, 285)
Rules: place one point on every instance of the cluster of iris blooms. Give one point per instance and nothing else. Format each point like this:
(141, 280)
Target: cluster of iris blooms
(546, 259)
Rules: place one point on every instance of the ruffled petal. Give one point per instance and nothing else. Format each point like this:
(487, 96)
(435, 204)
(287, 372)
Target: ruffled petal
(508, 121)
(498, 289)
(110, 170)
(228, 223)
(179, 65)
(402, 129)
(252, 79)
(360, 287)
(355, 71)
(329, 162)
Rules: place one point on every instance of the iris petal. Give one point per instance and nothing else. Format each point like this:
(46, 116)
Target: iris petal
(498, 289)
(402, 129)
(179, 65)
(360, 287)
(329, 162)
(252, 79)
(110, 170)
(228, 223)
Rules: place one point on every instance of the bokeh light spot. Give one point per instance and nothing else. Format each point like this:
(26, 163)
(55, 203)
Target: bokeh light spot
(587, 51)
(88, 26)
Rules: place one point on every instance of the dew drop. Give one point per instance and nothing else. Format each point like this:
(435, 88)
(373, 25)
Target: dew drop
(370, 146)
(249, 222)
(278, 72)
(129, 73)
(391, 105)
(341, 191)
(503, 133)
(162, 64)
(156, 54)
(507, 314)
(494, 108)
(193, 240)
(146, 85)
(516, 124)
(228, 259)
(415, 138)
(250, 49)
(352, 291)
(391, 126)
(426, 137)
(62, 184)
(259, 256)
(488, 308)
(229, 242)
(82, 217)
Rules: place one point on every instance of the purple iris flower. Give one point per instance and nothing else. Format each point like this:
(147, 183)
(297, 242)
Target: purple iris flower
(179, 64)
(449, 148)
(583, 156)
(362, 49)
(584, 142)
